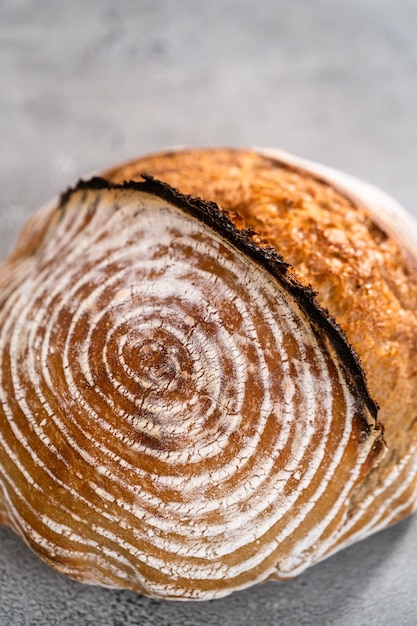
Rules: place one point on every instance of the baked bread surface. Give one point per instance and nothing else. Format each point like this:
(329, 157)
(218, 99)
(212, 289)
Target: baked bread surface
(362, 273)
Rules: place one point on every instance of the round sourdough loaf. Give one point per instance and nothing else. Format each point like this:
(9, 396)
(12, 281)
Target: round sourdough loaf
(207, 372)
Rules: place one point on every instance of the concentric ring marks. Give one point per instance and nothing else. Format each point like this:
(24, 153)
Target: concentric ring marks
(160, 384)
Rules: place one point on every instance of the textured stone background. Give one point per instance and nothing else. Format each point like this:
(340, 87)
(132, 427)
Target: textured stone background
(87, 84)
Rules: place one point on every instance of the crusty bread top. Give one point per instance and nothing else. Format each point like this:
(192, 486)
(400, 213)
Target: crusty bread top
(68, 290)
(362, 274)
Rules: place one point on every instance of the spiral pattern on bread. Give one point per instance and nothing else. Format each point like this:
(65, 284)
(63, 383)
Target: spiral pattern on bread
(179, 415)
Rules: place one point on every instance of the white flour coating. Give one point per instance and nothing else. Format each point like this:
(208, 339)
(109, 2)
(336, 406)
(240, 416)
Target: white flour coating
(143, 360)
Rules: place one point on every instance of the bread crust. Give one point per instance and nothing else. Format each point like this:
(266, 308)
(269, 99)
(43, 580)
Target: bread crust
(361, 269)
(124, 412)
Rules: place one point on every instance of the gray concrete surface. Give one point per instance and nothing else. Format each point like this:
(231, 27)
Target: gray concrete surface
(87, 84)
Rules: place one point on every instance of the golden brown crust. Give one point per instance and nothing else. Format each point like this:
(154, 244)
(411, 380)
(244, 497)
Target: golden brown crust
(180, 415)
(363, 275)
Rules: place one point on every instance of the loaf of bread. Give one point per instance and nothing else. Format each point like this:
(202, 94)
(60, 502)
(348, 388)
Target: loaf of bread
(207, 362)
